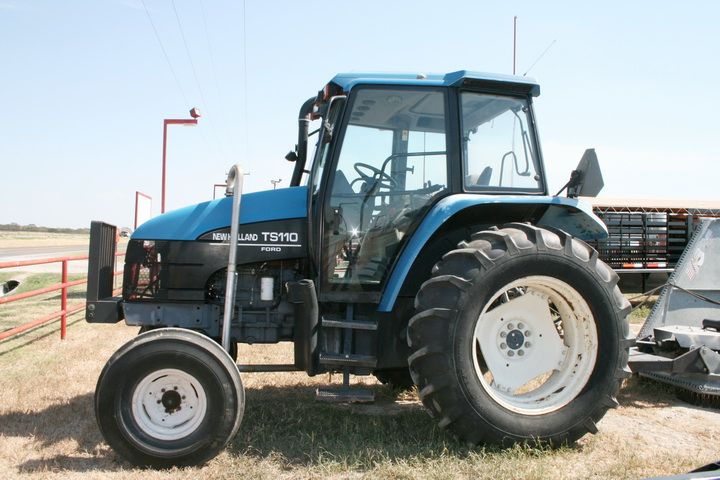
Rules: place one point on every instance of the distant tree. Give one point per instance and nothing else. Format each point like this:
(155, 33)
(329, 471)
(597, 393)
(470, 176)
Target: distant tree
(15, 227)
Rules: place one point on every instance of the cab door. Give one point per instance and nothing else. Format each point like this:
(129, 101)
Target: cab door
(389, 164)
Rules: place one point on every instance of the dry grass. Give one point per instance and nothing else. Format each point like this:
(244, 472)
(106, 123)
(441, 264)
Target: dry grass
(10, 239)
(47, 427)
(48, 430)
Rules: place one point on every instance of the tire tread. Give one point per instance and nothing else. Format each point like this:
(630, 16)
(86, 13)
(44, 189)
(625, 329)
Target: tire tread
(442, 297)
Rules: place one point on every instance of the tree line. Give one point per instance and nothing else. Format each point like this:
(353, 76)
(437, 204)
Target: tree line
(14, 227)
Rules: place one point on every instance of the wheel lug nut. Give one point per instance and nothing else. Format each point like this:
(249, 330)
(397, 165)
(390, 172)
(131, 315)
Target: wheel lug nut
(520, 326)
(503, 346)
(174, 388)
(527, 333)
(162, 390)
(510, 326)
(158, 401)
(510, 353)
(503, 334)
(521, 353)
(527, 344)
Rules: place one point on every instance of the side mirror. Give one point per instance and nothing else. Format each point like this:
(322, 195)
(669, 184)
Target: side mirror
(586, 180)
(291, 156)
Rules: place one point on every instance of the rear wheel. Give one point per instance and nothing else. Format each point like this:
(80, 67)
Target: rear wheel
(520, 334)
(169, 397)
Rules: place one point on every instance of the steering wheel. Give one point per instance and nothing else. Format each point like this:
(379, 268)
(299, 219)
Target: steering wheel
(380, 178)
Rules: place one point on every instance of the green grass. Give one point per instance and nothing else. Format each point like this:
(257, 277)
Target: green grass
(640, 314)
(5, 276)
(23, 311)
(35, 281)
(29, 309)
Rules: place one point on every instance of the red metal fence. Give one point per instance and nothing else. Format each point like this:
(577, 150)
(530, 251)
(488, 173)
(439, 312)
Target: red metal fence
(64, 284)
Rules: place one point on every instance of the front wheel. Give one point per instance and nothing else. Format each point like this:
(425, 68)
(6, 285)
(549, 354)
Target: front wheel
(520, 335)
(169, 397)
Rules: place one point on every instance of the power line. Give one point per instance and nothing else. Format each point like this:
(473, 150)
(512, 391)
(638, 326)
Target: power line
(195, 75)
(214, 72)
(539, 58)
(187, 51)
(245, 86)
(210, 49)
(167, 59)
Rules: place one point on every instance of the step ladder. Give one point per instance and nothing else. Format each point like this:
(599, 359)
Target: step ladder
(346, 360)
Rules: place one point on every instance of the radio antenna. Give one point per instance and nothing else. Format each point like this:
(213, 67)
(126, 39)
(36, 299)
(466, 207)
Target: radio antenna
(514, 40)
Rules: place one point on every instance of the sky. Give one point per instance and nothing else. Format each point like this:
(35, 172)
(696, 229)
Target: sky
(85, 86)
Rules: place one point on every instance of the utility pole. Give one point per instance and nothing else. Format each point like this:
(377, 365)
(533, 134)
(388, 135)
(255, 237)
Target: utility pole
(188, 122)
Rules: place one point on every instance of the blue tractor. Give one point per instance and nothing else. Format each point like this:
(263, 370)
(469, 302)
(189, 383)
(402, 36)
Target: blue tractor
(418, 243)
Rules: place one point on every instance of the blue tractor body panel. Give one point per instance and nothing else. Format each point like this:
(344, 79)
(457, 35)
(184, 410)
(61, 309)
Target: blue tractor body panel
(572, 216)
(453, 79)
(190, 222)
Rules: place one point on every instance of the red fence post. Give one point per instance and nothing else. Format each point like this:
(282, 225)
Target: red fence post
(63, 301)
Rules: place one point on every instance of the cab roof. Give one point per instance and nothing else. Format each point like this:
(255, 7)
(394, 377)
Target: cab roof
(492, 81)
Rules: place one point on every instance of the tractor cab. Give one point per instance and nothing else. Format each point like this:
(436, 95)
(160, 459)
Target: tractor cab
(387, 149)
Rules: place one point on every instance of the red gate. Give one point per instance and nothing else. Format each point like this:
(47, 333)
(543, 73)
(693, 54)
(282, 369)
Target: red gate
(64, 284)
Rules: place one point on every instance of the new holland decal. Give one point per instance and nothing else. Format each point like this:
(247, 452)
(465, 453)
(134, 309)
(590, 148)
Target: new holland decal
(285, 237)
(267, 241)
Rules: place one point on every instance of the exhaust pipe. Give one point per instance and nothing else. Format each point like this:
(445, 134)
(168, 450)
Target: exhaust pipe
(234, 188)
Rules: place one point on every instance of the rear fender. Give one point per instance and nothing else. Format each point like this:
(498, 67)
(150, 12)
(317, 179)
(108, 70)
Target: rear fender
(568, 214)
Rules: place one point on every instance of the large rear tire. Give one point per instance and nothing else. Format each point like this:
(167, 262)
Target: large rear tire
(169, 397)
(520, 335)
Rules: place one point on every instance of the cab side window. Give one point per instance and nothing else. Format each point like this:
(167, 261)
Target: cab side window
(498, 154)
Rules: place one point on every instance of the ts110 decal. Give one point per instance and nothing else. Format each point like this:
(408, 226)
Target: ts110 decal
(286, 238)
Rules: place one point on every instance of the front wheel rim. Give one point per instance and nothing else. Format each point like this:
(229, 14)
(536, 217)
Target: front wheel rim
(535, 345)
(169, 404)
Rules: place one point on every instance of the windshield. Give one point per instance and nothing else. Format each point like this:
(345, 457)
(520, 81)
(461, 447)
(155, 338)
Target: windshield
(498, 151)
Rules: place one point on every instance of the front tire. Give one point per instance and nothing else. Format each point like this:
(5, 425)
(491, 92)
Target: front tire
(169, 397)
(520, 335)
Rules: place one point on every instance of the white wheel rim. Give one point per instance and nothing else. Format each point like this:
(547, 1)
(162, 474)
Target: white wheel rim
(169, 404)
(535, 345)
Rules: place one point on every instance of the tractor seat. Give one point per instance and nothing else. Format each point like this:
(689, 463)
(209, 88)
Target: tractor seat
(482, 180)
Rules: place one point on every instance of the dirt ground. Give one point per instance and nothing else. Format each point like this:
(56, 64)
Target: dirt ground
(48, 430)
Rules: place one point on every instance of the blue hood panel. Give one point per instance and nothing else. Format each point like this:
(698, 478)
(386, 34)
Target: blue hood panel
(189, 223)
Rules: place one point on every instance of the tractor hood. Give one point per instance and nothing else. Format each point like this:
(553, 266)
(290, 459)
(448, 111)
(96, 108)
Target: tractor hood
(191, 222)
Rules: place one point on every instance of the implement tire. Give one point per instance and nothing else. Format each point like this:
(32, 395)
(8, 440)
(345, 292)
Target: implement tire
(169, 397)
(520, 336)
